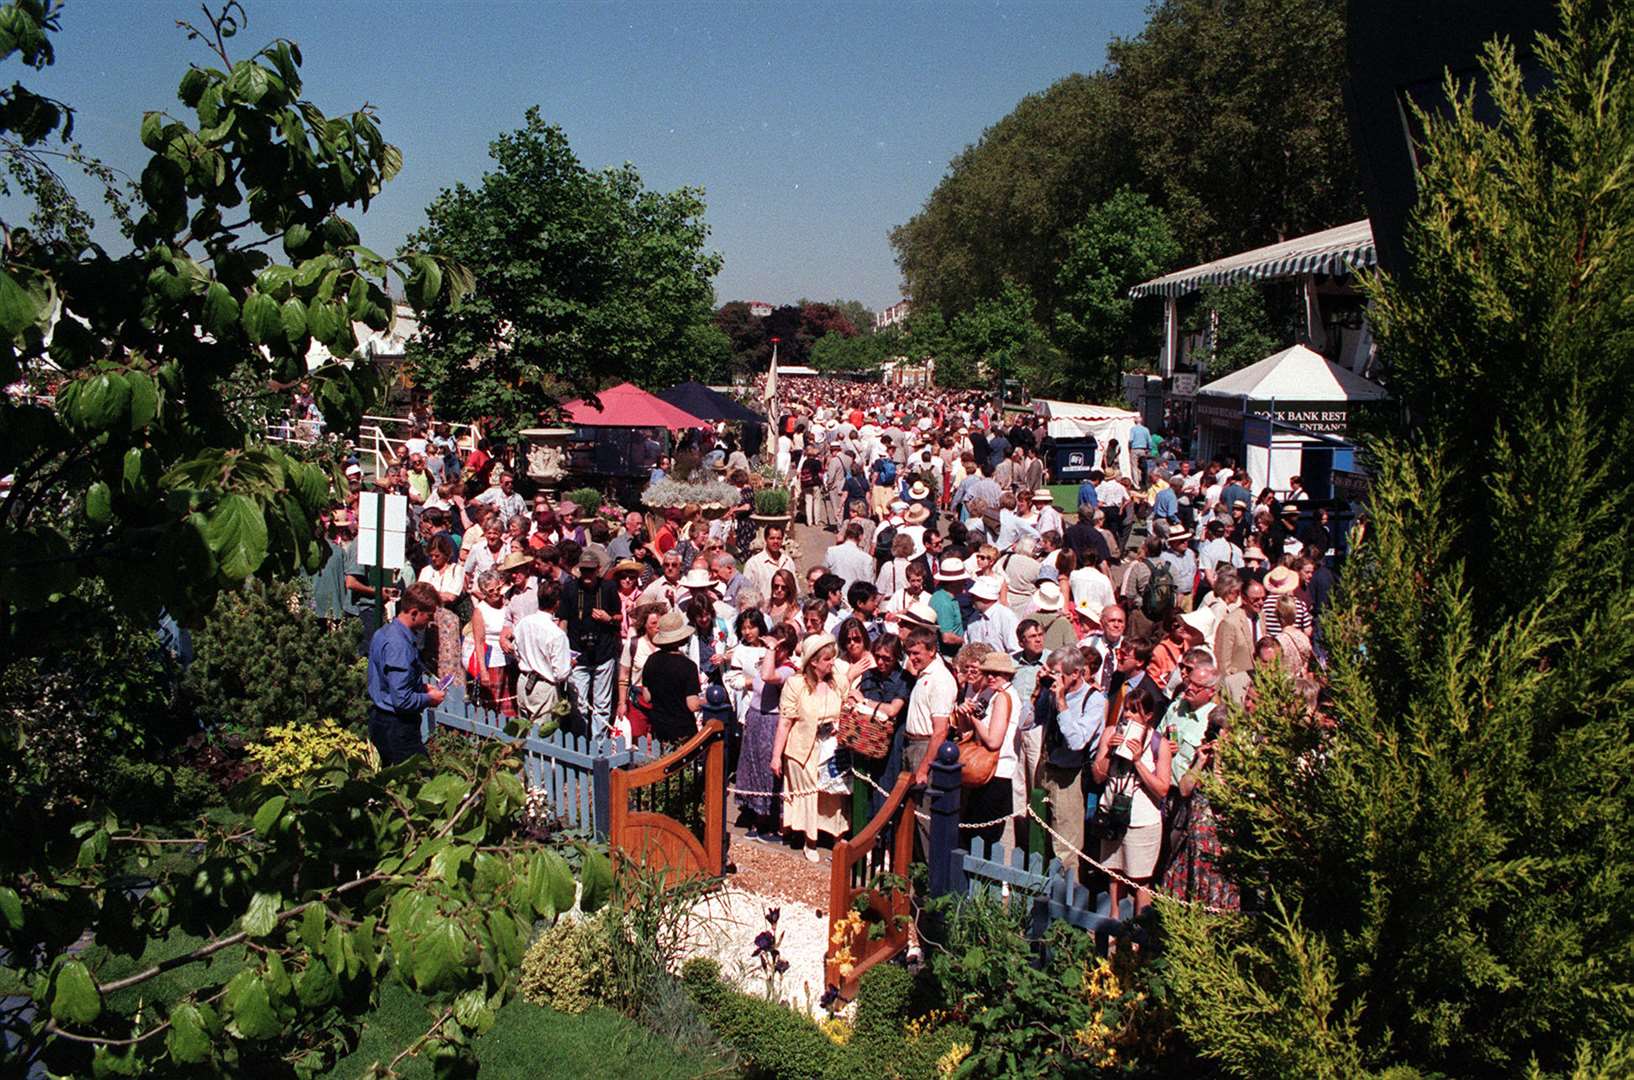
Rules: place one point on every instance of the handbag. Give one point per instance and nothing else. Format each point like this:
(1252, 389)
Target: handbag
(863, 730)
(1111, 820)
(976, 762)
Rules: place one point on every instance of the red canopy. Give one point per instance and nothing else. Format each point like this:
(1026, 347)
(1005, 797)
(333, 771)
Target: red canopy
(627, 405)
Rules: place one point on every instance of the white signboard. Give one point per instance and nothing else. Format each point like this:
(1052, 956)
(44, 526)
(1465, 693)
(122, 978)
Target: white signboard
(382, 518)
(1184, 384)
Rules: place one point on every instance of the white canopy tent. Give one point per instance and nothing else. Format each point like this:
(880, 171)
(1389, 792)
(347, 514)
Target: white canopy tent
(1103, 423)
(1295, 374)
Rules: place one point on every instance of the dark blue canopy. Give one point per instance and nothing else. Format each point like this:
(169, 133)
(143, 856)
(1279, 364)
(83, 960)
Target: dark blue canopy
(707, 404)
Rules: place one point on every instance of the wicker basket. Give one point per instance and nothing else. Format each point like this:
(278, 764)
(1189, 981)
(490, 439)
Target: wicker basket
(863, 730)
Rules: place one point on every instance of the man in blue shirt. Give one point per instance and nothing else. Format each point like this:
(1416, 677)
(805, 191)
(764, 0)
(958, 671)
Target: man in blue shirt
(1140, 445)
(1071, 731)
(398, 690)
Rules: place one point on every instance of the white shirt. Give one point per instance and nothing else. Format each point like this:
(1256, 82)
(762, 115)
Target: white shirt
(1111, 493)
(541, 647)
(933, 695)
(996, 627)
(850, 563)
(1089, 585)
(760, 568)
(1007, 743)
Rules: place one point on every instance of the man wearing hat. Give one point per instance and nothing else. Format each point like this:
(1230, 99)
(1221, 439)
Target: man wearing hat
(991, 623)
(590, 607)
(834, 477)
(952, 578)
(1182, 564)
(1280, 582)
(1049, 613)
(1048, 518)
(1279, 539)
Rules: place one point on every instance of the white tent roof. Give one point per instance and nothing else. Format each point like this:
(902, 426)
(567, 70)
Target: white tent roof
(1295, 374)
(1103, 423)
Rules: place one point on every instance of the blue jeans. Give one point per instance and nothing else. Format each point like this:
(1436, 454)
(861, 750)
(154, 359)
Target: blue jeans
(396, 738)
(594, 689)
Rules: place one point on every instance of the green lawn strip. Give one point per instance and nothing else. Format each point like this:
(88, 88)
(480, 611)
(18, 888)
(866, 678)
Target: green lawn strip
(528, 1041)
(1066, 497)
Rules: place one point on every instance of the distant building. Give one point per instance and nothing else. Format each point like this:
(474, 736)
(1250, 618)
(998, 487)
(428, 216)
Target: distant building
(896, 313)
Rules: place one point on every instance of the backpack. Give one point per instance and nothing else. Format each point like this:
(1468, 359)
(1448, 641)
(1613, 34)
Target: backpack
(1157, 596)
(884, 472)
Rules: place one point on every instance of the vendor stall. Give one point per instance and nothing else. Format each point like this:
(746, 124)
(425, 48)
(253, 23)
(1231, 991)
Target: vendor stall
(1079, 434)
(625, 433)
(1304, 401)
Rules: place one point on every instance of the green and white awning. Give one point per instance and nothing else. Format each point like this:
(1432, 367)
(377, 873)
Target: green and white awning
(1338, 250)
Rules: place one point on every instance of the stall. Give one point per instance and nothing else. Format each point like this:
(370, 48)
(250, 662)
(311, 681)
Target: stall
(1295, 389)
(625, 433)
(1078, 434)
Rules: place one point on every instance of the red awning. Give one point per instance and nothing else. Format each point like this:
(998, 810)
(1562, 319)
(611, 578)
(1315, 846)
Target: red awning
(627, 405)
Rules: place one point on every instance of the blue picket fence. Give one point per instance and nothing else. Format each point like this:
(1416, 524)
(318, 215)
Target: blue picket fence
(574, 771)
(1053, 894)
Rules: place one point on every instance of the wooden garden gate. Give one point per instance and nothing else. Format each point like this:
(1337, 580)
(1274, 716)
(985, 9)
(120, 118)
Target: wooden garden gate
(671, 813)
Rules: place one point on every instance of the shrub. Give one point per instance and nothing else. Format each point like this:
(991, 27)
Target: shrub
(564, 968)
(293, 754)
(772, 502)
(774, 1041)
(264, 658)
(588, 500)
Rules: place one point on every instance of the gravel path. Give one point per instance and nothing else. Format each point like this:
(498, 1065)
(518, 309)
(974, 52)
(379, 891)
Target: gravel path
(725, 928)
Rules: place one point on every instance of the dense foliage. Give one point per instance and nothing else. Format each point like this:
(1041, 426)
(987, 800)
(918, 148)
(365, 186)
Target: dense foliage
(1450, 871)
(581, 279)
(800, 328)
(140, 468)
(264, 658)
(274, 932)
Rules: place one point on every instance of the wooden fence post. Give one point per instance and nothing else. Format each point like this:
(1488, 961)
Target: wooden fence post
(601, 791)
(946, 875)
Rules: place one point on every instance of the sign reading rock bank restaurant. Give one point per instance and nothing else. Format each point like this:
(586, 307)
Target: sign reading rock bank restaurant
(1296, 388)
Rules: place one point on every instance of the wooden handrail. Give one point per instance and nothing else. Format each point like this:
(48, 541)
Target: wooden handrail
(847, 853)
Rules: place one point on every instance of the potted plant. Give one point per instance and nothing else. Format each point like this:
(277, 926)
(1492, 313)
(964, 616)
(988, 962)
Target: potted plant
(771, 506)
(588, 500)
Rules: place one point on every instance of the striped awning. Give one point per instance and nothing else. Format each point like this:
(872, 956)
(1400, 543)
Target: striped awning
(1332, 251)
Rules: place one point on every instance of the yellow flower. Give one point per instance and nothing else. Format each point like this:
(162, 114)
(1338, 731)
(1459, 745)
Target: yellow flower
(948, 1062)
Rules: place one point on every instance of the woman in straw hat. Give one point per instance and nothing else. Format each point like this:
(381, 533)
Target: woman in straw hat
(810, 709)
(670, 682)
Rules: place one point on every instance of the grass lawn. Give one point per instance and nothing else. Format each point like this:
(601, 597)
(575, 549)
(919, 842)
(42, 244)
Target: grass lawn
(1066, 497)
(528, 1041)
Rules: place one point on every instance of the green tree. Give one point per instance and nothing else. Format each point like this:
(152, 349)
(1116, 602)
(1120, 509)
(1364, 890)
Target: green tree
(1236, 325)
(1007, 203)
(998, 339)
(1122, 242)
(1452, 864)
(147, 469)
(580, 279)
(1235, 114)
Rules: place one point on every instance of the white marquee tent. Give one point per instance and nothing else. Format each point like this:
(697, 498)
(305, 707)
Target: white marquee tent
(1295, 374)
(1073, 420)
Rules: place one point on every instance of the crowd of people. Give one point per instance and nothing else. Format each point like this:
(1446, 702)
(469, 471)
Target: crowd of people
(1087, 650)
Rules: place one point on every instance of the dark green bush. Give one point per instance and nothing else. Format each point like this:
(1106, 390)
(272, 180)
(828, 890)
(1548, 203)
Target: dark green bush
(774, 1041)
(264, 658)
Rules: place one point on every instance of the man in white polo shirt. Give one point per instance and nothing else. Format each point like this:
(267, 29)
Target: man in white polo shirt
(930, 710)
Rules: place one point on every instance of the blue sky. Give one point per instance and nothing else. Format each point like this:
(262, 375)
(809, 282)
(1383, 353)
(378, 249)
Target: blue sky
(812, 128)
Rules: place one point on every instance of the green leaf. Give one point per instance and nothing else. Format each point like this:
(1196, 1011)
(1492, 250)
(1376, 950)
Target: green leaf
(316, 985)
(472, 1012)
(425, 283)
(267, 816)
(447, 862)
(18, 309)
(192, 87)
(94, 405)
(98, 503)
(11, 906)
(144, 399)
(152, 131)
(75, 999)
(237, 532)
(251, 1010)
(249, 81)
(261, 319)
(560, 877)
(262, 914)
(187, 1040)
(445, 788)
(293, 316)
(220, 312)
(312, 926)
(596, 881)
(439, 955)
